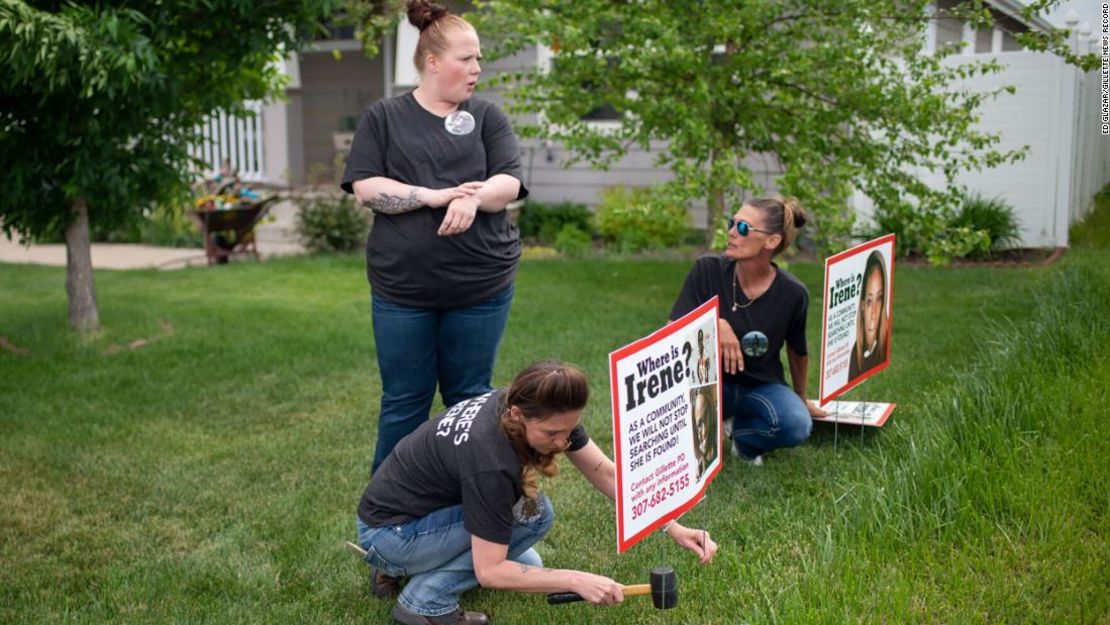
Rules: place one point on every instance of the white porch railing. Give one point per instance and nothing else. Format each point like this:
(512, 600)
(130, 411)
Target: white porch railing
(238, 139)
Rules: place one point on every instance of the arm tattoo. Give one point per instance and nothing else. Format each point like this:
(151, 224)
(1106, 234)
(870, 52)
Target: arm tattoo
(598, 467)
(524, 568)
(393, 204)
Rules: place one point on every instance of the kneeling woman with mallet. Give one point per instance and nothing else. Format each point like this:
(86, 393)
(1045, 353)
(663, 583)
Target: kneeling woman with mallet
(456, 505)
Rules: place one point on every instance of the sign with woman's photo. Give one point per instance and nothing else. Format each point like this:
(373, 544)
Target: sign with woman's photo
(857, 315)
(666, 416)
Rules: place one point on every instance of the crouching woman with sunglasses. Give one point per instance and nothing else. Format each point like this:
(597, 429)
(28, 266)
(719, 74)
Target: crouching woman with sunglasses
(455, 505)
(762, 307)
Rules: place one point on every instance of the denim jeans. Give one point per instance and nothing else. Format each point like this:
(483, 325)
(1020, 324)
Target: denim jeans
(434, 553)
(420, 347)
(765, 417)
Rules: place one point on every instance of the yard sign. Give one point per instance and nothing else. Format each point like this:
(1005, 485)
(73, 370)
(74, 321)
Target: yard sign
(858, 312)
(666, 414)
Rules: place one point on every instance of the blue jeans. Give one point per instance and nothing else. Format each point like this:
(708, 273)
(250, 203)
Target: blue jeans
(765, 417)
(418, 347)
(434, 553)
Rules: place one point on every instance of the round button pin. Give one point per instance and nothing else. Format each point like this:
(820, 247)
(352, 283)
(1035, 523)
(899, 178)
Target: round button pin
(754, 344)
(459, 123)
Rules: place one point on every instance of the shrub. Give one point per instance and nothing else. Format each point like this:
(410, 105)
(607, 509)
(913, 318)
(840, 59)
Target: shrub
(169, 226)
(330, 222)
(543, 222)
(164, 225)
(572, 241)
(994, 216)
(640, 219)
(931, 233)
(913, 229)
(534, 252)
(957, 243)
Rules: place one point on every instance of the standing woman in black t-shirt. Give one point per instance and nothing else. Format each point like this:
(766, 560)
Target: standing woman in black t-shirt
(762, 308)
(437, 168)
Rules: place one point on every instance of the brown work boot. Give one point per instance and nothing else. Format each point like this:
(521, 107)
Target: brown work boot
(384, 586)
(458, 617)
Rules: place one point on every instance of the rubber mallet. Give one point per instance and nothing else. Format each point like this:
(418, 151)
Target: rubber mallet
(663, 590)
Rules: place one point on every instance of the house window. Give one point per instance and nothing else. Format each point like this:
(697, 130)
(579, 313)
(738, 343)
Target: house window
(605, 112)
(949, 30)
(1009, 26)
(335, 31)
(983, 41)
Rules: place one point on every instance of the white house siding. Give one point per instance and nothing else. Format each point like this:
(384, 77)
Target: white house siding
(549, 179)
(1055, 112)
(1034, 116)
(1091, 149)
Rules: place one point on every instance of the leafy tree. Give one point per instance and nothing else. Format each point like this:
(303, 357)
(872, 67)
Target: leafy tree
(840, 93)
(99, 101)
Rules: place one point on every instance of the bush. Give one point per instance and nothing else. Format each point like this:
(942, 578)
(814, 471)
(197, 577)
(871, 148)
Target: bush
(638, 219)
(994, 216)
(330, 222)
(914, 229)
(957, 243)
(572, 241)
(930, 233)
(161, 225)
(543, 222)
(534, 252)
(170, 227)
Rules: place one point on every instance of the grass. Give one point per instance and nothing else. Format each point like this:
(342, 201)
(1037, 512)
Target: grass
(212, 475)
(1094, 230)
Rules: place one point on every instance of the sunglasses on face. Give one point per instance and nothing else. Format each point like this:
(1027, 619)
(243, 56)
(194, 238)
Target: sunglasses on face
(744, 228)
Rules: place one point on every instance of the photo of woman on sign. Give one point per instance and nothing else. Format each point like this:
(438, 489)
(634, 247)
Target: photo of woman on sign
(872, 320)
(704, 403)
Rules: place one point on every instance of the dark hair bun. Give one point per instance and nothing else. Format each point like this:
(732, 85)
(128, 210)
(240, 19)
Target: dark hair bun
(799, 217)
(423, 14)
(796, 209)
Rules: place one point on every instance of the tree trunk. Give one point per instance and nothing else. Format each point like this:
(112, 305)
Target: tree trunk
(715, 207)
(83, 315)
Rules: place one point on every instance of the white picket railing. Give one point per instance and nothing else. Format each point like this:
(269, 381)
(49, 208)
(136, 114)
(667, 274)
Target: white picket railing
(238, 139)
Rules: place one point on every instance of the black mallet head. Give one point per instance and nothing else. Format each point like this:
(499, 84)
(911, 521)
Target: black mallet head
(664, 587)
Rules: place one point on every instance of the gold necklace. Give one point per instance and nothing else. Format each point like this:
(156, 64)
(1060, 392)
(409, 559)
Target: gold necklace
(736, 305)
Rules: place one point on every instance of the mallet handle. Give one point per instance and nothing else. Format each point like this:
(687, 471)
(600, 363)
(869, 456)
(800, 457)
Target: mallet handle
(555, 598)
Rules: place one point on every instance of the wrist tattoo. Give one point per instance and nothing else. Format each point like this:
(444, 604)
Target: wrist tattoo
(394, 204)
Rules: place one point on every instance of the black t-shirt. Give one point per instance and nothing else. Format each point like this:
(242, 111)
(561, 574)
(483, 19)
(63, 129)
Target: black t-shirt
(459, 457)
(780, 313)
(406, 261)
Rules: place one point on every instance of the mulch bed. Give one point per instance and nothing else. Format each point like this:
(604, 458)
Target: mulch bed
(1021, 257)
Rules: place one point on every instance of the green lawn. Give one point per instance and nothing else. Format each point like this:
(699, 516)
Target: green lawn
(212, 475)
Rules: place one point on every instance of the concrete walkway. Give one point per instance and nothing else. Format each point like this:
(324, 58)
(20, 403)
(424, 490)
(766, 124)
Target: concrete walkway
(276, 238)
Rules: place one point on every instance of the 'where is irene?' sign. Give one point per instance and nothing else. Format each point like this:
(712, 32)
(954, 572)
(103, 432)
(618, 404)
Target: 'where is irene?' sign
(666, 415)
(857, 316)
